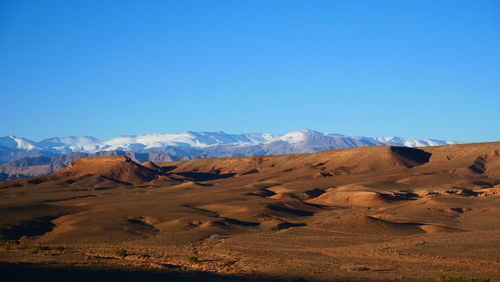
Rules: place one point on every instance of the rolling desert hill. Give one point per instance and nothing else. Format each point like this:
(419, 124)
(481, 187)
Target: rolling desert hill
(357, 214)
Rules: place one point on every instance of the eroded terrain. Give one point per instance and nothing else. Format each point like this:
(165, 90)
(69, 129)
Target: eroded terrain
(371, 213)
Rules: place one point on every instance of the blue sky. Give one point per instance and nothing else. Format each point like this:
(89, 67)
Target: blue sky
(372, 68)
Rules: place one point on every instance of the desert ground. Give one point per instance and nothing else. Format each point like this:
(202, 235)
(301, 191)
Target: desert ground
(362, 214)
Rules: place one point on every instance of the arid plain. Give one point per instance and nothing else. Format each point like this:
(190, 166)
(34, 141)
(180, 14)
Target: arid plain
(362, 214)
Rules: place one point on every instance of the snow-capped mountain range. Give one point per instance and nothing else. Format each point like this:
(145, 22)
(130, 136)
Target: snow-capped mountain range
(20, 157)
(208, 140)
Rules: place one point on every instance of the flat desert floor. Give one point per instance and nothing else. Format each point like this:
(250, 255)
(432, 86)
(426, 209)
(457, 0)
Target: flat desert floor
(363, 214)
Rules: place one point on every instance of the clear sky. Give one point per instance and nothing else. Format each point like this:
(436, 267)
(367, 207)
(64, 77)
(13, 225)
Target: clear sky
(372, 68)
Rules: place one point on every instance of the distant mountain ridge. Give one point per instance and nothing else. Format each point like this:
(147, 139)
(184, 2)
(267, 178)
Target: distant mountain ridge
(20, 157)
(88, 144)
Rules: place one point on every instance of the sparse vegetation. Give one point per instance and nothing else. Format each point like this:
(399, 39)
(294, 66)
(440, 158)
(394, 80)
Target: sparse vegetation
(192, 259)
(39, 247)
(44, 248)
(443, 278)
(121, 253)
(7, 245)
(175, 224)
(59, 248)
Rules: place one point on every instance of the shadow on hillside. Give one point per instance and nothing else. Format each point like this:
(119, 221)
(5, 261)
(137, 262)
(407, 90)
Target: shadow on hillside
(204, 176)
(411, 157)
(37, 226)
(167, 168)
(30, 272)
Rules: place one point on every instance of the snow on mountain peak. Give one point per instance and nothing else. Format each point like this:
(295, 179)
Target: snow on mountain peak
(299, 135)
(187, 139)
(308, 140)
(261, 137)
(413, 142)
(19, 143)
(70, 144)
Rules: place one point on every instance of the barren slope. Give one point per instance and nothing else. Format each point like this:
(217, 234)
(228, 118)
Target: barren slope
(363, 213)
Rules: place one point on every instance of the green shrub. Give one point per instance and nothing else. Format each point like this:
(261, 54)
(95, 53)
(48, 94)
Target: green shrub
(58, 248)
(121, 253)
(39, 247)
(192, 259)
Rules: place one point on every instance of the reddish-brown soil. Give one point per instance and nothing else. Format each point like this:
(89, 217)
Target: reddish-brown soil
(370, 214)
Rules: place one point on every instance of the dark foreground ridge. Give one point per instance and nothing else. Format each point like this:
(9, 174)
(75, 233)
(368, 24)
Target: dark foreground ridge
(26, 272)
(31, 272)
